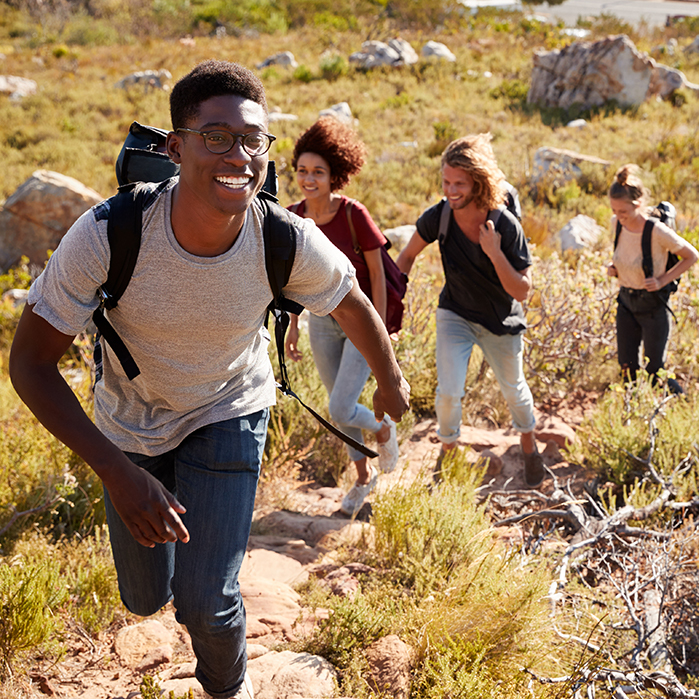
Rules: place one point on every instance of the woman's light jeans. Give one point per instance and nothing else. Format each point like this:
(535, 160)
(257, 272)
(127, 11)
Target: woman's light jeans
(213, 473)
(455, 339)
(344, 372)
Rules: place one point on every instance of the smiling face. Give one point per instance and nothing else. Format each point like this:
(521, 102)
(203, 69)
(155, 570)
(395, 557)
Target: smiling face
(626, 211)
(313, 176)
(220, 183)
(458, 187)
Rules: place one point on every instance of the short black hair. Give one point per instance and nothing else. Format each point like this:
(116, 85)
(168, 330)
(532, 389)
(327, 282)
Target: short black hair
(212, 79)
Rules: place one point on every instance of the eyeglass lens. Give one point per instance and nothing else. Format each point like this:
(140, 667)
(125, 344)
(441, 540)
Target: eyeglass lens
(222, 141)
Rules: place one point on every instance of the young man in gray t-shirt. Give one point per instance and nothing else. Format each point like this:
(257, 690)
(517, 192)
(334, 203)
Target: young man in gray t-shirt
(179, 447)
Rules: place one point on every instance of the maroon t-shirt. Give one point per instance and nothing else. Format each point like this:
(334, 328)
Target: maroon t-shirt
(369, 236)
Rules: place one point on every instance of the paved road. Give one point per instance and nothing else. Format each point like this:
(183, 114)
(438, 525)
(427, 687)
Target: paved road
(633, 11)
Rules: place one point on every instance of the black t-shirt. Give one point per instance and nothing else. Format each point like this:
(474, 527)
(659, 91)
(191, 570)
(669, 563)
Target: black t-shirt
(472, 288)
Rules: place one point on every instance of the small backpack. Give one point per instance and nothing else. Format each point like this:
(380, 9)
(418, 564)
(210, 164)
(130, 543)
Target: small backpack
(143, 156)
(396, 280)
(666, 213)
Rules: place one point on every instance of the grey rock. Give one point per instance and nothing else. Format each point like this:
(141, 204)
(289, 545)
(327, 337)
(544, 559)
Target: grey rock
(148, 79)
(435, 49)
(580, 232)
(17, 87)
(561, 165)
(38, 214)
(283, 58)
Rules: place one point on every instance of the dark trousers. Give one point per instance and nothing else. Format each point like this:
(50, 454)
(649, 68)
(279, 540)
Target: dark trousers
(642, 317)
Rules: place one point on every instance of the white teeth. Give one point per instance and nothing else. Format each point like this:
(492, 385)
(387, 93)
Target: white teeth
(233, 181)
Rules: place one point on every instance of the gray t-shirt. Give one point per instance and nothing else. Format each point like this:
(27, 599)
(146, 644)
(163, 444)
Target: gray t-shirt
(194, 325)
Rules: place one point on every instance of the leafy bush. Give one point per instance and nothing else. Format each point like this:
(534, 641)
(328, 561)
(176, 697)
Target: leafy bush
(616, 440)
(333, 67)
(303, 74)
(30, 596)
(471, 612)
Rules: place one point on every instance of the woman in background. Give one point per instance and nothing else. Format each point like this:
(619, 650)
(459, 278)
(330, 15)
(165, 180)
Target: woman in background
(643, 314)
(325, 157)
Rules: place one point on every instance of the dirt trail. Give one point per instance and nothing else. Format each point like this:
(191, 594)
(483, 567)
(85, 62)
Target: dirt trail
(286, 543)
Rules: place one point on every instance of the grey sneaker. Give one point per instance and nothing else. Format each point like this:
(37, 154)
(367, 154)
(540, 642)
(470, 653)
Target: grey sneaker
(534, 471)
(353, 501)
(388, 450)
(246, 691)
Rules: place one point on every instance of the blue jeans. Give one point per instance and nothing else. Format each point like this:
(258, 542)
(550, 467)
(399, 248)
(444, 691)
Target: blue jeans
(343, 371)
(455, 339)
(214, 474)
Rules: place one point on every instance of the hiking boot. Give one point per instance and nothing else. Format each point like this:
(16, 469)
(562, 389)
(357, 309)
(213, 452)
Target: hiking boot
(534, 471)
(388, 450)
(673, 385)
(353, 501)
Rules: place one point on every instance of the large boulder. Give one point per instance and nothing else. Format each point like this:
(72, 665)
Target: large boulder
(693, 47)
(341, 111)
(283, 58)
(435, 49)
(38, 214)
(580, 232)
(589, 74)
(559, 165)
(397, 52)
(16, 86)
(147, 79)
(665, 80)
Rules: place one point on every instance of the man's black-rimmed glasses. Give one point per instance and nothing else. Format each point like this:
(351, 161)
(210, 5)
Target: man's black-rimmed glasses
(219, 142)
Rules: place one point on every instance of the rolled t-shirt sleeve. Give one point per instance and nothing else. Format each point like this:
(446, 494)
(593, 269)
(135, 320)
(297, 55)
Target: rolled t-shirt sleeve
(514, 243)
(65, 293)
(428, 224)
(322, 275)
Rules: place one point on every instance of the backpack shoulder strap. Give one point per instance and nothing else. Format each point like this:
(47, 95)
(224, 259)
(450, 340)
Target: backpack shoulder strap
(646, 248)
(617, 233)
(124, 236)
(444, 217)
(494, 216)
(355, 243)
(279, 236)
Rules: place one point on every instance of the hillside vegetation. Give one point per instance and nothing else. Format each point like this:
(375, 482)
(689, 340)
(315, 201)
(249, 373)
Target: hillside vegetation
(475, 610)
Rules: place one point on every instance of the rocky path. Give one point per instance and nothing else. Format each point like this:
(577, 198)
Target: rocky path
(286, 546)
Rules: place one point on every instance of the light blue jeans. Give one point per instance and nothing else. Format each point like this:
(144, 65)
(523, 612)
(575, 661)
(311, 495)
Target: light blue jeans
(455, 339)
(344, 372)
(214, 474)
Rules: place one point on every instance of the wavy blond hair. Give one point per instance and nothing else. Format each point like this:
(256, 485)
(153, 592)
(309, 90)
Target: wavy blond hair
(474, 154)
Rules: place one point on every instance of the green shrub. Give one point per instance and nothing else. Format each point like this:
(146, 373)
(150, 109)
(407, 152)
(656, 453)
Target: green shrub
(303, 74)
(615, 441)
(30, 596)
(471, 612)
(333, 67)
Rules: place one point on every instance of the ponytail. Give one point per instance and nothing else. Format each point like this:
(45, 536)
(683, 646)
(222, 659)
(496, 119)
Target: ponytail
(628, 185)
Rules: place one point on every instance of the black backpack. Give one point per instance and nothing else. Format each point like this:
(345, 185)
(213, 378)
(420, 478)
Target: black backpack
(143, 157)
(666, 213)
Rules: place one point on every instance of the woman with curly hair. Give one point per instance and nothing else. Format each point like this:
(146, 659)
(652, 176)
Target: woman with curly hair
(325, 157)
(643, 314)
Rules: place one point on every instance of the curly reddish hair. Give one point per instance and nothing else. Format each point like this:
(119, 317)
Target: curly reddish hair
(337, 144)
